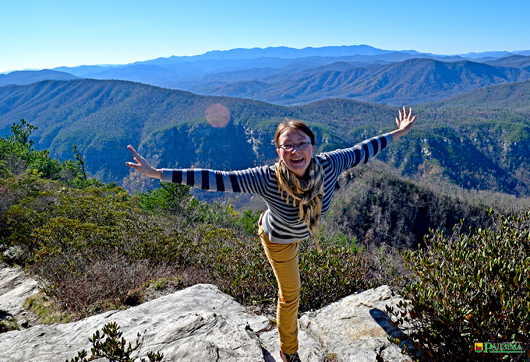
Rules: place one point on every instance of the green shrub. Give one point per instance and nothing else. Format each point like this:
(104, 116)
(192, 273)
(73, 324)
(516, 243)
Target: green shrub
(333, 274)
(471, 288)
(108, 345)
(18, 156)
(50, 218)
(170, 197)
(8, 325)
(248, 220)
(238, 266)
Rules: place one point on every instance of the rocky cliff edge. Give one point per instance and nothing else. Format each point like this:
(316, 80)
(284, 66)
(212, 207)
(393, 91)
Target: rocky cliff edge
(202, 324)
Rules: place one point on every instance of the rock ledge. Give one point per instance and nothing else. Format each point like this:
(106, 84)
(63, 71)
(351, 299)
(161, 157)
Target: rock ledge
(202, 324)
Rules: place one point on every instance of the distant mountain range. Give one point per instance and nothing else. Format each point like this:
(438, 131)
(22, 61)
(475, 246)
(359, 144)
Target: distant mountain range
(412, 81)
(24, 77)
(287, 76)
(480, 139)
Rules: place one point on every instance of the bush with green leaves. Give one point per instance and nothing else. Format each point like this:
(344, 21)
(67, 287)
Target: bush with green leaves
(8, 324)
(169, 198)
(17, 156)
(333, 274)
(177, 199)
(90, 246)
(109, 345)
(17, 153)
(471, 288)
(248, 220)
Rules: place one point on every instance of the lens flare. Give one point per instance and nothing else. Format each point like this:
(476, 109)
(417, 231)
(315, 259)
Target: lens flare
(218, 115)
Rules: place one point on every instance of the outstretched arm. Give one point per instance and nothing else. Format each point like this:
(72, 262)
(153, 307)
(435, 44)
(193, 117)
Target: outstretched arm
(253, 180)
(404, 123)
(142, 165)
(344, 159)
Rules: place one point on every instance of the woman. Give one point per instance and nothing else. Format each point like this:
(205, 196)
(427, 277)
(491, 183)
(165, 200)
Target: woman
(297, 190)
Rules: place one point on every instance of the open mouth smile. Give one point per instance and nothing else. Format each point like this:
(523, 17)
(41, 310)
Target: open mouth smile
(297, 160)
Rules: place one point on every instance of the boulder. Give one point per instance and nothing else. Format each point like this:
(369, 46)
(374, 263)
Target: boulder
(15, 287)
(202, 324)
(356, 328)
(16, 254)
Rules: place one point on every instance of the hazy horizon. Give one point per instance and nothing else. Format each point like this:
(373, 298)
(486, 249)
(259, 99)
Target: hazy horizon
(46, 35)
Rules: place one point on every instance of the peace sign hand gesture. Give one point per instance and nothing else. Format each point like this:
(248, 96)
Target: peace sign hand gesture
(142, 165)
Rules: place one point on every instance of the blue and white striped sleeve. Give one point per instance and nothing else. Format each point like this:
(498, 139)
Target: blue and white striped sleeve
(253, 180)
(347, 158)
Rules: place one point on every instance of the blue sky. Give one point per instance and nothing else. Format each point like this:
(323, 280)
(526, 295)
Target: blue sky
(47, 33)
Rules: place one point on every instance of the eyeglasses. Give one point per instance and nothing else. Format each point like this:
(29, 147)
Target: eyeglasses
(299, 146)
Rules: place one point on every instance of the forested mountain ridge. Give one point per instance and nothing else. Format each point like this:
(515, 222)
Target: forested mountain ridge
(475, 147)
(409, 82)
(511, 96)
(102, 117)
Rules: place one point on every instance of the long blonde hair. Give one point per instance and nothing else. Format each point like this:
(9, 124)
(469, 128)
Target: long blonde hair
(307, 196)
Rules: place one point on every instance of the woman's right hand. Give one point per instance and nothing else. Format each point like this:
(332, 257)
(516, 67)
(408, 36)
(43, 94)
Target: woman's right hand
(142, 166)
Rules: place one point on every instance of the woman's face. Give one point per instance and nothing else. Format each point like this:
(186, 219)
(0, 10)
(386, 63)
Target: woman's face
(299, 157)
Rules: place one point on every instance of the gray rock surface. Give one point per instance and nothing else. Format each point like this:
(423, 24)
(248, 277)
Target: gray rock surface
(15, 254)
(15, 287)
(356, 328)
(196, 324)
(202, 324)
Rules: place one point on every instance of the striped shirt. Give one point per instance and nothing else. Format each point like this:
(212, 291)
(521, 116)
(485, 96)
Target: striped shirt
(280, 221)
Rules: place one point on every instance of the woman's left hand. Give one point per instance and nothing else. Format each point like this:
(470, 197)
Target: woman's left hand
(405, 121)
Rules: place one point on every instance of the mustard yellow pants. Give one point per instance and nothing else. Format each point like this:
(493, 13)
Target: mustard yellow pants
(284, 261)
